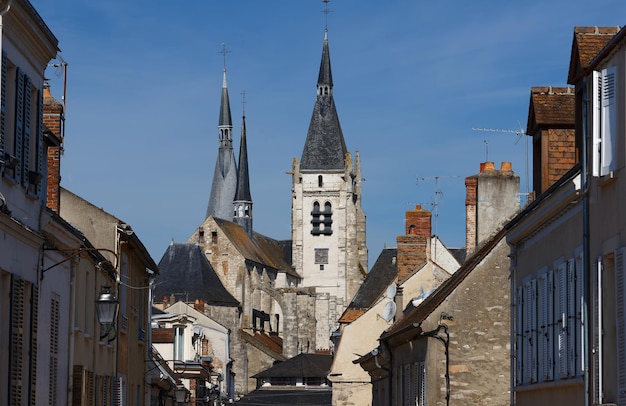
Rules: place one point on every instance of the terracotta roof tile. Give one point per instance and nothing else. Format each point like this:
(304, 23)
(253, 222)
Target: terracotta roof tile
(549, 107)
(587, 43)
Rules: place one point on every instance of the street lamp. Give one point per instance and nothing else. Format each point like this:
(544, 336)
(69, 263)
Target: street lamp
(106, 307)
(180, 393)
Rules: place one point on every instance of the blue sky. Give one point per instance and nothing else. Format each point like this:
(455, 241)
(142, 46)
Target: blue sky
(412, 79)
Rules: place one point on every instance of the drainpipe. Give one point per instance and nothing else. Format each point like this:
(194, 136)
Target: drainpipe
(587, 332)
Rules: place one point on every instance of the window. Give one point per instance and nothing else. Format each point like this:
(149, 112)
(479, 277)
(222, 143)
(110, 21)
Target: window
(548, 325)
(604, 121)
(321, 257)
(322, 220)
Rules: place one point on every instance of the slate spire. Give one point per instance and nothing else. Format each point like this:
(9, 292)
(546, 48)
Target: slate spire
(225, 175)
(324, 148)
(243, 198)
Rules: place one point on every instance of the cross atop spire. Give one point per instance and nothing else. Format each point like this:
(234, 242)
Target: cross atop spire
(326, 11)
(224, 51)
(243, 103)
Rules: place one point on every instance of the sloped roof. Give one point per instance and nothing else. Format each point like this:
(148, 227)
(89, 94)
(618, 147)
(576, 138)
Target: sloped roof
(551, 106)
(303, 365)
(288, 397)
(382, 274)
(258, 249)
(430, 303)
(324, 148)
(587, 43)
(185, 268)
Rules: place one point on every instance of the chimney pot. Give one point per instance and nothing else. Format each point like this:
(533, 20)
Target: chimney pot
(506, 166)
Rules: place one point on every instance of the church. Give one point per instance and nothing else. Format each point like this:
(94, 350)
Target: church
(278, 298)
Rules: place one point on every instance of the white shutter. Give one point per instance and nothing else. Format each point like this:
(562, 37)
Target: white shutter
(519, 337)
(544, 313)
(579, 352)
(620, 313)
(117, 391)
(596, 106)
(531, 306)
(609, 121)
(596, 326)
(573, 330)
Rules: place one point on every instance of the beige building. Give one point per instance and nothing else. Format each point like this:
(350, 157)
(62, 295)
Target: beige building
(133, 270)
(567, 248)
(399, 278)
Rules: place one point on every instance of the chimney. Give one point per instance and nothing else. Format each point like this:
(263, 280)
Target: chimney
(491, 197)
(199, 305)
(53, 121)
(413, 247)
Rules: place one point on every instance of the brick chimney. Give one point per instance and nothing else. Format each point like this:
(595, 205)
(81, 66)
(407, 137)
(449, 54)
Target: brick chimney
(53, 120)
(413, 247)
(491, 197)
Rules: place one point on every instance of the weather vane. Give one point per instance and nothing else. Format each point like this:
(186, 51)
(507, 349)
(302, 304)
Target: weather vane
(326, 11)
(224, 51)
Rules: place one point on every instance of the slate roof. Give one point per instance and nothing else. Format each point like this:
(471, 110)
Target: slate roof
(303, 365)
(185, 268)
(243, 178)
(285, 397)
(324, 148)
(258, 249)
(550, 106)
(587, 43)
(382, 274)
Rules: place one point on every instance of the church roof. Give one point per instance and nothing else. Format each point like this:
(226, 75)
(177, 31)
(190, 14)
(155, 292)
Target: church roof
(225, 118)
(382, 274)
(243, 177)
(258, 249)
(185, 268)
(324, 148)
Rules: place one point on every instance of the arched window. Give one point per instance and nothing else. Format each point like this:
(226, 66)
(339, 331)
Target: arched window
(322, 220)
(320, 181)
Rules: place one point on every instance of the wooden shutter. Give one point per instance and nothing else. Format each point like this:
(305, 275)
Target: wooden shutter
(562, 321)
(39, 157)
(3, 106)
(17, 336)
(34, 325)
(19, 123)
(519, 337)
(596, 128)
(117, 391)
(609, 121)
(530, 345)
(620, 314)
(419, 383)
(78, 382)
(549, 328)
(596, 326)
(573, 326)
(406, 384)
(542, 318)
(579, 352)
(26, 108)
(54, 349)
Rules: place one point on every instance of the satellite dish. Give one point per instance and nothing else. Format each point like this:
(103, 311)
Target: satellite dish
(389, 311)
(391, 291)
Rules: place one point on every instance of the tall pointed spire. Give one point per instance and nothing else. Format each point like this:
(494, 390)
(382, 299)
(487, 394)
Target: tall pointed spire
(324, 148)
(243, 198)
(225, 176)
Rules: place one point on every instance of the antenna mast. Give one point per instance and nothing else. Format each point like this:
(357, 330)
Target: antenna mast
(438, 193)
(519, 134)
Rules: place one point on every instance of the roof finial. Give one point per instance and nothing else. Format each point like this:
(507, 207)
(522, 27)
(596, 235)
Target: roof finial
(224, 51)
(243, 103)
(326, 11)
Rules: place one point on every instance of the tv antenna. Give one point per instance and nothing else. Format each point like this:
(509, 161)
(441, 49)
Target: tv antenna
(438, 193)
(519, 133)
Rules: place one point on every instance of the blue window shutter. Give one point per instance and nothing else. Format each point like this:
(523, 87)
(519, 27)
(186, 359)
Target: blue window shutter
(26, 130)
(19, 123)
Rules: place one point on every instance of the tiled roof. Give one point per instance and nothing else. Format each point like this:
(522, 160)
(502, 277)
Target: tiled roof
(430, 303)
(260, 249)
(271, 345)
(303, 365)
(551, 106)
(587, 43)
(185, 268)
